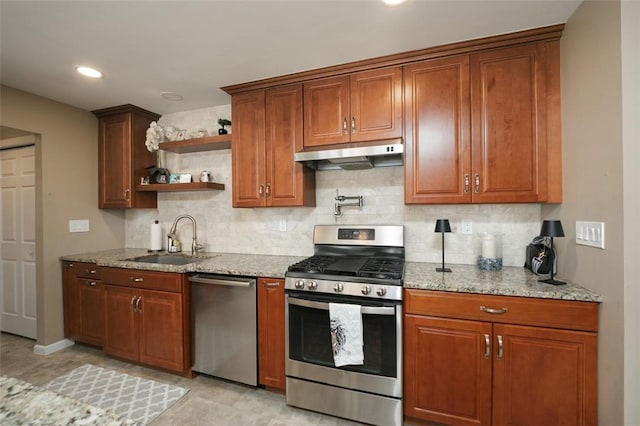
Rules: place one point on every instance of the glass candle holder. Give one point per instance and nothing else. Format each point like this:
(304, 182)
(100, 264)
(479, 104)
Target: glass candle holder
(490, 258)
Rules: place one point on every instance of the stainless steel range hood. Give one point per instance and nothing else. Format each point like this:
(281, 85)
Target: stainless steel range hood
(353, 156)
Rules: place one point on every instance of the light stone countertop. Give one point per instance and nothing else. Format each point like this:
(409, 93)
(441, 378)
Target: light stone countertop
(510, 281)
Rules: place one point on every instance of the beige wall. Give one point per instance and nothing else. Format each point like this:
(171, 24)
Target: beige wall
(631, 151)
(67, 188)
(593, 182)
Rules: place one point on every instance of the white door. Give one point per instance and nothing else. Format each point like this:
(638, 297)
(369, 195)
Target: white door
(18, 250)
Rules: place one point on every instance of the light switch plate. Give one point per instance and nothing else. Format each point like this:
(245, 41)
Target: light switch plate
(590, 234)
(79, 225)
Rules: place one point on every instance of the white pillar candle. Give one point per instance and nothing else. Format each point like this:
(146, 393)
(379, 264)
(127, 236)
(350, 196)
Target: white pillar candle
(489, 247)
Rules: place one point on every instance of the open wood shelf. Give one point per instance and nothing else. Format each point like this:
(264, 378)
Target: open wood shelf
(209, 143)
(168, 187)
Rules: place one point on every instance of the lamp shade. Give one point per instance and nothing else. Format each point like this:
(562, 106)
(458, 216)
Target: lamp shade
(552, 228)
(442, 225)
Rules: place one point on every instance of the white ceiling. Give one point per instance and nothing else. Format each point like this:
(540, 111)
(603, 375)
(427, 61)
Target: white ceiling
(193, 48)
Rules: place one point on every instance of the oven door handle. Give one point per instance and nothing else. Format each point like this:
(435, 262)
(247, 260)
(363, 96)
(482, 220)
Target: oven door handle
(368, 310)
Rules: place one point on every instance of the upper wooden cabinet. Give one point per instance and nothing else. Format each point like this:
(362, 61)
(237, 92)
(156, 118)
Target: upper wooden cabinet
(484, 128)
(266, 134)
(355, 108)
(123, 157)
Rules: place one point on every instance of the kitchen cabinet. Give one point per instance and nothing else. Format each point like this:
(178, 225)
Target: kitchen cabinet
(271, 352)
(145, 318)
(359, 107)
(268, 131)
(123, 157)
(484, 128)
(83, 299)
(497, 360)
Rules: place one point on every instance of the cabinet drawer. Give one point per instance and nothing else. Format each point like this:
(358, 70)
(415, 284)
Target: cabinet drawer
(83, 269)
(552, 313)
(163, 281)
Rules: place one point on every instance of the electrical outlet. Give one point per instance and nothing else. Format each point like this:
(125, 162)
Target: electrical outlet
(590, 234)
(466, 227)
(79, 225)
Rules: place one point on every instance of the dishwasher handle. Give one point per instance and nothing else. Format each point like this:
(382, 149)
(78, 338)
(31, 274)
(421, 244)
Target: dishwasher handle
(203, 279)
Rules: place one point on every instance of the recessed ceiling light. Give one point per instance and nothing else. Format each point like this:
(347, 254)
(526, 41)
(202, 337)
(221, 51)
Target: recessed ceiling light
(171, 96)
(89, 72)
(393, 2)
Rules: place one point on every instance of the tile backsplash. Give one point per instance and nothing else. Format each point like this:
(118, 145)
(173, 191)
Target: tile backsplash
(288, 231)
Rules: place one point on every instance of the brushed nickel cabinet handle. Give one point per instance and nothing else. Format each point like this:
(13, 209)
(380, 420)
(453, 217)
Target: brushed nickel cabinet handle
(487, 346)
(500, 348)
(133, 303)
(476, 177)
(136, 280)
(353, 124)
(126, 194)
(261, 191)
(69, 265)
(91, 271)
(466, 183)
(272, 285)
(139, 304)
(268, 190)
(92, 283)
(344, 126)
(494, 311)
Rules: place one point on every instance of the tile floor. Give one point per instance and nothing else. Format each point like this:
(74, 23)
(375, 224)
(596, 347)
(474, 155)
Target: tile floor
(209, 402)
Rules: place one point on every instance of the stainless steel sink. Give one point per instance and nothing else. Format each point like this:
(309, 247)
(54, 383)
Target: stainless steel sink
(167, 259)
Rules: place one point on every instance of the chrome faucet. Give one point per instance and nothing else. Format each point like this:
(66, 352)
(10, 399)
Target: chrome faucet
(173, 244)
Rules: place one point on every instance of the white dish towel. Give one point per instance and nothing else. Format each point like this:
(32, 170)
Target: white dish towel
(346, 334)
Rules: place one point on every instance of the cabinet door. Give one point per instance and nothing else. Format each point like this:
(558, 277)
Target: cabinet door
(91, 312)
(376, 105)
(71, 300)
(247, 153)
(288, 183)
(115, 161)
(544, 377)
(437, 148)
(271, 352)
(326, 111)
(447, 366)
(508, 98)
(120, 329)
(161, 332)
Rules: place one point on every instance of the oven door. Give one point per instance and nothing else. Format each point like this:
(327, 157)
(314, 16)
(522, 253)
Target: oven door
(309, 350)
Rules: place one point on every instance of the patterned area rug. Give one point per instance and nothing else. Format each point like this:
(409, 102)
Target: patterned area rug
(128, 396)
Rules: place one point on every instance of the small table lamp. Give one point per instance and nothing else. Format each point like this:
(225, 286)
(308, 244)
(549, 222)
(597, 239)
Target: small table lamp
(442, 226)
(552, 228)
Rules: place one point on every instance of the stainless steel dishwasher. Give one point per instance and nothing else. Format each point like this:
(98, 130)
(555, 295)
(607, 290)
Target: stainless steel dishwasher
(224, 327)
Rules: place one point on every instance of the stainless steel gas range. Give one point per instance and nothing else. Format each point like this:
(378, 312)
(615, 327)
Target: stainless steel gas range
(357, 268)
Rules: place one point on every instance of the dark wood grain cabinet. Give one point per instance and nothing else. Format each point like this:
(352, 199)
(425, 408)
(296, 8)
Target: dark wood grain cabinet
(484, 128)
(267, 132)
(123, 157)
(495, 360)
(271, 352)
(146, 318)
(83, 299)
(359, 107)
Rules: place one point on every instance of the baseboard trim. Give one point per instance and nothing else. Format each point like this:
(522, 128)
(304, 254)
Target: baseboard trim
(54, 347)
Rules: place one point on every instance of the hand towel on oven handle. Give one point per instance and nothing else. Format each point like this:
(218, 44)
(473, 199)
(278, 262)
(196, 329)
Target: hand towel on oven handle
(346, 334)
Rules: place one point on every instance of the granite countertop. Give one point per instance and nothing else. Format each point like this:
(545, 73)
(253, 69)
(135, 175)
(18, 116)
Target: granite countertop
(510, 281)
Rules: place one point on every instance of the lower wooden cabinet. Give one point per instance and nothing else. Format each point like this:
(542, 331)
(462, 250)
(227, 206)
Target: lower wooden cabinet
(145, 324)
(83, 300)
(271, 352)
(465, 365)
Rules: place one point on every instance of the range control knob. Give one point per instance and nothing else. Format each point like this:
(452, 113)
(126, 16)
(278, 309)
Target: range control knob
(338, 288)
(313, 285)
(299, 284)
(366, 289)
(381, 291)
